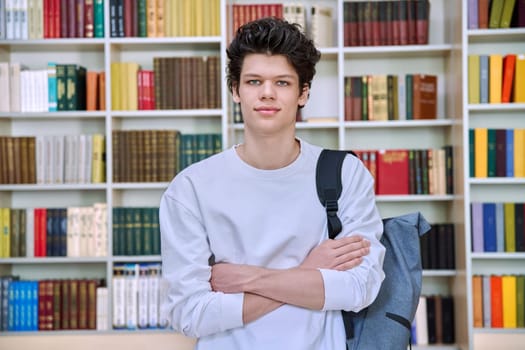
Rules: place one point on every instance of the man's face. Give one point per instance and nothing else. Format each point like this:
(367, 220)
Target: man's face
(268, 93)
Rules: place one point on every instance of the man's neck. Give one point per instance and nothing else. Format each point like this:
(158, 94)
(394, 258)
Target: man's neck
(269, 154)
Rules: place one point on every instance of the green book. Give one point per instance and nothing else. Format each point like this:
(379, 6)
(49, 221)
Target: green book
(510, 227)
(472, 158)
(61, 87)
(496, 9)
(98, 16)
(409, 86)
(136, 231)
(520, 301)
(142, 18)
(147, 231)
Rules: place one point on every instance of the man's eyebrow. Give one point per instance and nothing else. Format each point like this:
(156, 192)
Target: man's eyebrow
(255, 75)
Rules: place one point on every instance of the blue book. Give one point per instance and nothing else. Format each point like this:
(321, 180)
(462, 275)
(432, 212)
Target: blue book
(500, 227)
(52, 86)
(483, 78)
(476, 215)
(510, 152)
(489, 227)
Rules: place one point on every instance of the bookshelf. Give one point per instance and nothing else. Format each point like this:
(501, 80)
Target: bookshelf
(445, 55)
(479, 40)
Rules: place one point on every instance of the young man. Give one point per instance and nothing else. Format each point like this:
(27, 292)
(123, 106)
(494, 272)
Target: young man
(244, 237)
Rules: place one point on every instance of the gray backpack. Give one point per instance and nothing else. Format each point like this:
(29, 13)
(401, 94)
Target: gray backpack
(386, 323)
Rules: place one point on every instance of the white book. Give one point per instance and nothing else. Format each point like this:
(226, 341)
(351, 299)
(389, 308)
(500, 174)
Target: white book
(22, 19)
(68, 159)
(88, 159)
(25, 91)
(131, 295)
(87, 239)
(38, 22)
(487, 314)
(4, 85)
(49, 159)
(43, 93)
(58, 158)
(30, 232)
(17, 35)
(143, 296)
(81, 159)
(401, 97)
(102, 308)
(322, 27)
(9, 19)
(421, 322)
(100, 231)
(119, 297)
(39, 159)
(2, 20)
(14, 80)
(73, 231)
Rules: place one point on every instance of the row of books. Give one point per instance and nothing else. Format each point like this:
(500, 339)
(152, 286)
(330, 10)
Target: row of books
(137, 295)
(438, 247)
(410, 171)
(434, 321)
(496, 152)
(49, 304)
(496, 78)
(157, 155)
(497, 226)
(161, 18)
(375, 23)
(39, 19)
(320, 27)
(498, 301)
(391, 97)
(53, 159)
(59, 87)
(494, 14)
(174, 83)
(136, 231)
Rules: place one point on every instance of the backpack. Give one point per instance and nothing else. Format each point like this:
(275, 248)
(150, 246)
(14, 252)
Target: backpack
(386, 323)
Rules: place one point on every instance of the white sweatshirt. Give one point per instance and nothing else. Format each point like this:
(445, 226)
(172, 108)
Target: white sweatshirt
(270, 218)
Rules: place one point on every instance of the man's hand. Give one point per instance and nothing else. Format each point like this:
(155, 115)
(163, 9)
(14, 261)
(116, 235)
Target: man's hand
(232, 278)
(339, 254)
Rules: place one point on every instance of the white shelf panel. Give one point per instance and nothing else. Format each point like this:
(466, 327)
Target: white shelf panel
(58, 187)
(398, 51)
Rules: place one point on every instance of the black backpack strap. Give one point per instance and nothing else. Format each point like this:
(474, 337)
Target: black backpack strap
(328, 178)
(329, 187)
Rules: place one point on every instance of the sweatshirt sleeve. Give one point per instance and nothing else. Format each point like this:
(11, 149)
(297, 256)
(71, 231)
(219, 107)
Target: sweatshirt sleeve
(355, 289)
(191, 307)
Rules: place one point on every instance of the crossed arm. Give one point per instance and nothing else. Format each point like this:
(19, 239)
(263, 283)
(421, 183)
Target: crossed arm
(267, 289)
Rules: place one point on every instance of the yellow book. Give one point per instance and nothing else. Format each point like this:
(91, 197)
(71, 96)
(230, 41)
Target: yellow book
(168, 18)
(199, 11)
(495, 77)
(5, 239)
(98, 169)
(473, 79)
(519, 79)
(124, 84)
(481, 152)
(510, 228)
(187, 13)
(519, 152)
(116, 100)
(506, 13)
(151, 18)
(508, 289)
(132, 70)
(160, 20)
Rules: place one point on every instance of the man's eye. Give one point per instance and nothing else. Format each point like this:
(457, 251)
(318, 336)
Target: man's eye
(254, 82)
(282, 83)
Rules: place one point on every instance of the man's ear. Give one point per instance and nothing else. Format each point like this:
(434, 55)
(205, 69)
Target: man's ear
(305, 94)
(235, 93)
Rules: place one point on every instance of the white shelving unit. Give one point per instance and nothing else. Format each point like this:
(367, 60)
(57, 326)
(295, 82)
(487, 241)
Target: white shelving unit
(444, 56)
(509, 115)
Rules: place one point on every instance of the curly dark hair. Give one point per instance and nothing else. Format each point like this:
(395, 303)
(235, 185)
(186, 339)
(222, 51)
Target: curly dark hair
(272, 36)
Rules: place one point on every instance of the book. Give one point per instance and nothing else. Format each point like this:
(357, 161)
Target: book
(473, 79)
(506, 13)
(509, 65)
(508, 288)
(519, 79)
(496, 9)
(424, 96)
(477, 300)
(496, 305)
(481, 152)
(392, 172)
(495, 80)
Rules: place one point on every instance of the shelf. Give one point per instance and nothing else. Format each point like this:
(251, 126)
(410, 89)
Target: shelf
(167, 113)
(401, 123)
(140, 186)
(398, 51)
(500, 330)
(52, 115)
(414, 198)
(494, 35)
(498, 256)
(439, 273)
(53, 260)
(496, 107)
(497, 181)
(57, 187)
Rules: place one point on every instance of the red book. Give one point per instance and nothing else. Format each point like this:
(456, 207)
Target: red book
(80, 18)
(483, 14)
(40, 235)
(411, 22)
(402, 21)
(392, 172)
(383, 22)
(55, 19)
(46, 9)
(141, 90)
(496, 302)
(375, 24)
(422, 13)
(128, 18)
(509, 66)
(71, 19)
(424, 96)
(89, 19)
(63, 18)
